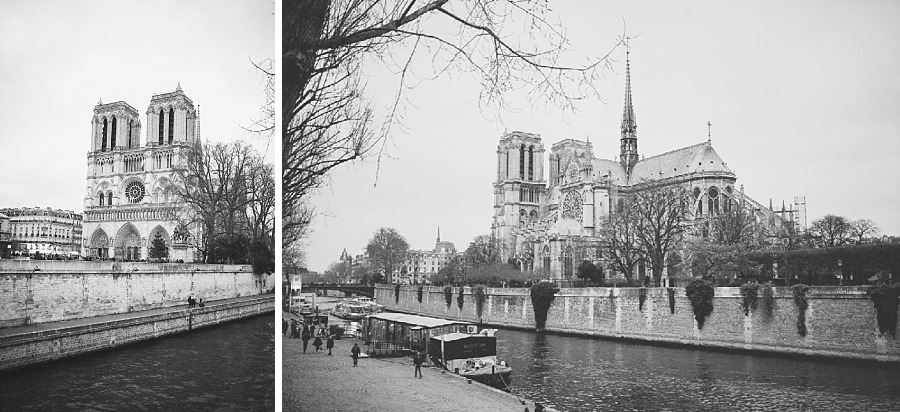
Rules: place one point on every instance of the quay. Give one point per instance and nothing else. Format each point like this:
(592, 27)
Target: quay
(26, 345)
(314, 382)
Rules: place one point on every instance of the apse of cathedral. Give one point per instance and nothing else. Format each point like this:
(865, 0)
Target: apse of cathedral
(129, 197)
(549, 227)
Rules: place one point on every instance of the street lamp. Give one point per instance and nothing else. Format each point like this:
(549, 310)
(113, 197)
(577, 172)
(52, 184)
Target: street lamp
(840, 272)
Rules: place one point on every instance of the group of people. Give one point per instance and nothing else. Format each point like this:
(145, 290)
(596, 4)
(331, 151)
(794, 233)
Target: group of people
(307, 332)
(193, 302)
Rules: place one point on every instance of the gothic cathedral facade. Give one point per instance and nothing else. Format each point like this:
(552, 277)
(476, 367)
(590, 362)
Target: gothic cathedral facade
(549, 227)
(129, 198)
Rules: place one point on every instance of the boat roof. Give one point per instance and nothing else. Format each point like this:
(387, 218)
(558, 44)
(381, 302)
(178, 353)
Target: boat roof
(416, 320)
(453, 336)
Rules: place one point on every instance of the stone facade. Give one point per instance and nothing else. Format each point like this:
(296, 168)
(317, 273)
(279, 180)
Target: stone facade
(549, 227)
(45, 230)
(840, 321)
(129, 197)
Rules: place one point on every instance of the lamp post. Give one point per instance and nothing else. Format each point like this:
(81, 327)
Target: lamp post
(840, 272)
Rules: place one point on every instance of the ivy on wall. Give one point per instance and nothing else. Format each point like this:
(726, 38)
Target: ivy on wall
(397, 293)
(448, 295)
(642, 297)
(886, 300)
(700, 293)
(768, 299)
(478, 292)
(542, 295)
(671, 299)
(801, 303)
(459, 298)
(419, 293)
(749, 294)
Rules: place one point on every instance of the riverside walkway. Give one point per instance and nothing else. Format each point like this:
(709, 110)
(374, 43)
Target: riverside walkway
(95, 320)
(315, 382)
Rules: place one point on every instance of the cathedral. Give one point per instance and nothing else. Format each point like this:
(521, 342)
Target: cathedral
(549, 227)
(129, 198)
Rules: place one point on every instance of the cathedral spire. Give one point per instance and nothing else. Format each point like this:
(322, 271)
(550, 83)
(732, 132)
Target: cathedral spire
(628, 153)
(439, 234)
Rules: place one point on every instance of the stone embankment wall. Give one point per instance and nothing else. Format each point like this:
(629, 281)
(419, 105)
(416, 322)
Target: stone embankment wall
(840, 321)
(62, 290)
(31, 348)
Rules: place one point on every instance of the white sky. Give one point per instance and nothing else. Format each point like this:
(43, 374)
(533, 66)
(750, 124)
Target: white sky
(804, 98)
(58, 58)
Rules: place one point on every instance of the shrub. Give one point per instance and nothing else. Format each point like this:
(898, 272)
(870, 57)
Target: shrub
(671, 299)
(419, 294)
(799, 292)
(700, 293)
(397, 293)
(459, 298)
(749, 292)
(642, 296)
(886, 300)
(448, 295)
(542, 295)
(478, 292)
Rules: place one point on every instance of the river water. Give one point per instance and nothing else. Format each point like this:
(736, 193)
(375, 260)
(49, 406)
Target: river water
(224, 367)
(582, 374)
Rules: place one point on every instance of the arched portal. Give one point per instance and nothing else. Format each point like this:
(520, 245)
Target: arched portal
(128, 243)
(567, 259)
(158, 233)
(99, 245)
(546, 256)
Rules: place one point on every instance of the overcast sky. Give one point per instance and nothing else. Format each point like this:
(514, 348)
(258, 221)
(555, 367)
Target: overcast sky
(59, 58)
(804, 98)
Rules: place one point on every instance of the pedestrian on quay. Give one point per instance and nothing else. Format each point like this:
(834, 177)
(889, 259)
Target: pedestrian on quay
(318, 343)
(329, 344)
(284, 326)
(355, 353)
(190, 301)
(417, 360)
(306, 339)
(295, 329)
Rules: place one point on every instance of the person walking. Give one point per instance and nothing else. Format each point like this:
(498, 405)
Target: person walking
(318, 343)
(284, 326)
(295, 329)
(417, 360)
(329, 344)
(355, 353)
(306, 338)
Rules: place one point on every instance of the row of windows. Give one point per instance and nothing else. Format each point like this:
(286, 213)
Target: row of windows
(108, 131)
(171, 125)
(522, 162)
(31, 230)
(39, 212)
(106, 199)
(529, 194)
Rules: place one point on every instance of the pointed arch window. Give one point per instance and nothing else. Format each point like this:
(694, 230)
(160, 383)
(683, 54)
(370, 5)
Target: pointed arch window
(112, 134)
(130, 126)
(530, 162)
(109, 199)
(522, 162)
(101, 197)
(713, 201)
(162, 118)
(171, 125)
(103, 138)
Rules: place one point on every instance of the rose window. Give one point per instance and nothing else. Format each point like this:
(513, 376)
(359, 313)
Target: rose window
(134, 192)
(572, 206)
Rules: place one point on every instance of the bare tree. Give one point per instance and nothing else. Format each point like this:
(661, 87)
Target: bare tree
(619, 240)
(484, 249)
(861, 229)
(661, 215)
(327, 118)
(387, 250)
(831, 230)
(737, 226)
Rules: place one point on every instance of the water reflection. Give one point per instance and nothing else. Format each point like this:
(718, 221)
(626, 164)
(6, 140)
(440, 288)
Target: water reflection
(580, 374)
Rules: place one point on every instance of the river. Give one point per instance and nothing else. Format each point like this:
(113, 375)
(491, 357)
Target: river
(224, 367)
(582, 374)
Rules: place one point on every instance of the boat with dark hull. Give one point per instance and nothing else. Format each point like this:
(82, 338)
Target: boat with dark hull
(473, 356)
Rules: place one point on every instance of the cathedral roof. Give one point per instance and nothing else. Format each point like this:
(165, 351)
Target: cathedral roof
(609, 169)
(699, 158)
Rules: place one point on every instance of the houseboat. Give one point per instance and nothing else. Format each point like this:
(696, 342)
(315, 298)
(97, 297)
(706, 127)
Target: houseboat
(472, 355)
(400, 334)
